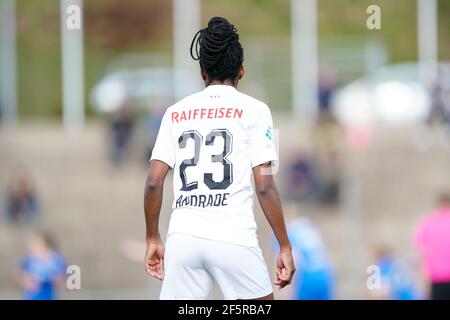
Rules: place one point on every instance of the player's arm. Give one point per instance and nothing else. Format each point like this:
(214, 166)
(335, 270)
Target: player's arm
(153, 196)
(269, 200)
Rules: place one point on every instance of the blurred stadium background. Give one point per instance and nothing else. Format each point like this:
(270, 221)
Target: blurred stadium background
(361, 154)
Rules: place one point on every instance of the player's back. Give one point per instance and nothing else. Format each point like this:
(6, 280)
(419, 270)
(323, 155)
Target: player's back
(212, 139)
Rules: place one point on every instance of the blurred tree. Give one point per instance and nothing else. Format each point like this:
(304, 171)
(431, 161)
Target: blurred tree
(121, 24)
(113, 27)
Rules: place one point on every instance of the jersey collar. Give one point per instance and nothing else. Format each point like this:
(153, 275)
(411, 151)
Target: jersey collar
(223, 87)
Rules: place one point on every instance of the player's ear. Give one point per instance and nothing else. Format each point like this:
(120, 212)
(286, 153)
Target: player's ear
(241, 73)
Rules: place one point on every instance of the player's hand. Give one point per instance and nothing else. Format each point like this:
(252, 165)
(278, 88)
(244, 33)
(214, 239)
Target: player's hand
(154, 258)
(285, 268)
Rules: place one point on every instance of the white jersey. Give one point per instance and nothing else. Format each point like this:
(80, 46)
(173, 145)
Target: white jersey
(212, 140)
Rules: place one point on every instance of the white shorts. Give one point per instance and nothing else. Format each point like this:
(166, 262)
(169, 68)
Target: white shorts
(192, 264)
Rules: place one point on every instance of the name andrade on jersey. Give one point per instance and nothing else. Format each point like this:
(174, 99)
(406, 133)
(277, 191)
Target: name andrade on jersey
(202, 200)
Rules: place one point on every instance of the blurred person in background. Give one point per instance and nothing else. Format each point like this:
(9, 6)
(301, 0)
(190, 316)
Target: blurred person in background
(153, 121)
(328, 137)
(328, 151)
(327, 86)
(302, 181)
(314, 279)
(43, 269)
(21, 203)
(397, 282)
(122, 124)
(440, 110)
(432, 238)
(438, 116)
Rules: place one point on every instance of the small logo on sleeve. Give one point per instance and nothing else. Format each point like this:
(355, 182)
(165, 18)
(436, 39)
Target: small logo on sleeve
(269, 134)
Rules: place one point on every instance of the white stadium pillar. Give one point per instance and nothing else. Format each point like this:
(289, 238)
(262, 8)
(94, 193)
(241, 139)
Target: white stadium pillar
(8, 62)
(186, 22)
(72, 63)
(304, 59)
(427, 22)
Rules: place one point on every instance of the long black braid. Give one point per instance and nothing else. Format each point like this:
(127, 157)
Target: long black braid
(218, 50)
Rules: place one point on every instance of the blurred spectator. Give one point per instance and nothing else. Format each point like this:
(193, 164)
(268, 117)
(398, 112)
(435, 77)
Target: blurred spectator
(122, 124)
(397, 282)
(314, 278)
(302, 180)
(327, 86)
(328, 138)
(43, 269)
(154, 118)
(440, 108)
(432, 238)
(21, 204)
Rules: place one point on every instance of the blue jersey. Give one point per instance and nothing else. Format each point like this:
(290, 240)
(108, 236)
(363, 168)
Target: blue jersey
(314, 276)
(45, 272)
(398, 277)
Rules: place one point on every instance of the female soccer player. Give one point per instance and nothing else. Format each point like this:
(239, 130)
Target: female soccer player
(214, 140)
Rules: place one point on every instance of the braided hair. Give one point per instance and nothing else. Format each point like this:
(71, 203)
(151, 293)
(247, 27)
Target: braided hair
(218, 50)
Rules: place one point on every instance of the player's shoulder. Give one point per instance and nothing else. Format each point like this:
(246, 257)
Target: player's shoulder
(256, 109)
(253, 102)
(186, 101)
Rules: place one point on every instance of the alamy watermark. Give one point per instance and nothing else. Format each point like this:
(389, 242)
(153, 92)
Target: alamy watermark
(373, 21)
(373, 281)
(74, 18)
(73, 280)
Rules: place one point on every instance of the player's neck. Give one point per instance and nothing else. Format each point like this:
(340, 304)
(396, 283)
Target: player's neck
(223, 83)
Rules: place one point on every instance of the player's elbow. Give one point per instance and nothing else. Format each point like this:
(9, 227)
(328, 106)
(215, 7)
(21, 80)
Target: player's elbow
(153, 185)
(264, 191)
(265, 187)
